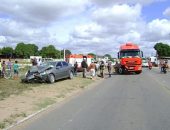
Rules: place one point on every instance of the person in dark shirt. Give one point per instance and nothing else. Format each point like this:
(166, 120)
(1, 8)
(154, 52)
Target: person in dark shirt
(84, 67)
(102, 69)
(75, 68)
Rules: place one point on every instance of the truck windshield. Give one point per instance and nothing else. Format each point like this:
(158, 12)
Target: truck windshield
(128, 53)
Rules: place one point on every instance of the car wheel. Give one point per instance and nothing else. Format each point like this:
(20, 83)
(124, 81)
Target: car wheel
(71, 75)
(51, 78)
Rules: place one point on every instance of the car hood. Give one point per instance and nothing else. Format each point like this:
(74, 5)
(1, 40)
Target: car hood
(40, 69)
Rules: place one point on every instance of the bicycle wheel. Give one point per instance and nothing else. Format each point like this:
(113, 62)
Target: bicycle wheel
(7, 74)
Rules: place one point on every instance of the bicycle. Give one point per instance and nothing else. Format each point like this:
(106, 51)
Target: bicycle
(7, 74)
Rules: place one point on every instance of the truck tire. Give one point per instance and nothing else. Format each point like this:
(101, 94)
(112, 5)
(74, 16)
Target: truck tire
(138, 72)
(120, 70)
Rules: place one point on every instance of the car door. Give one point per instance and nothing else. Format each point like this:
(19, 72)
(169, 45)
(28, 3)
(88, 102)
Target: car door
(59, 70)
(65, 69)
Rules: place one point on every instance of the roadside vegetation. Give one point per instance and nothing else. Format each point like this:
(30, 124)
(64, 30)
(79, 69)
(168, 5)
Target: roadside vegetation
(41, 95)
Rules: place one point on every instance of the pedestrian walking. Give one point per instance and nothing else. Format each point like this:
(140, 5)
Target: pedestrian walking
(75, 68)
(16, 70)
(84, 67)
(109, 68)
(92, 69)
(9, 65)
(161, 65)
(3, 68)
(102, 69)
(0, 68)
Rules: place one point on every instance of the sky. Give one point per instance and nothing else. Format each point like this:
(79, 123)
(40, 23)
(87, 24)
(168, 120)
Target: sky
(85, 26)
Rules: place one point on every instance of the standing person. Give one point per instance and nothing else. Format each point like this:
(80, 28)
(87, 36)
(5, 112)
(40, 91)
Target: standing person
(97, 68)
(149, 64)
(34, 62)
(109, 67)
(39, 62)
(161, 65)
(3, 68)
(84, 67)
(9, 65)
(92, 69)
(16, 70)
(0, 69)
(102, 69)
(75, 68)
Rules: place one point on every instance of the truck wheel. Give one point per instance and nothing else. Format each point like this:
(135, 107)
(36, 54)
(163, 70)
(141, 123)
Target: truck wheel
(138, 72)
(51, 78)
(120, 71)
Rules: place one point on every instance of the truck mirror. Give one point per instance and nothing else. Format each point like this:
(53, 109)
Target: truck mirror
(118, 55)
(142, 53)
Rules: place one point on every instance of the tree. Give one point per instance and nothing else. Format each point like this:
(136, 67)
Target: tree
(162, 49)
(92, 54)
(67, 52)
(50, 52)
(8, 51)
(0, 51)
(26, 50)
(108, 55)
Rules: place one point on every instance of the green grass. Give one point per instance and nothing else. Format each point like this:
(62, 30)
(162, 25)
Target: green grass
(44, 103)
(9, 86)
(12, 119)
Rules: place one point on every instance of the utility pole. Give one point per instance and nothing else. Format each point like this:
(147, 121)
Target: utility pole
(64, 54)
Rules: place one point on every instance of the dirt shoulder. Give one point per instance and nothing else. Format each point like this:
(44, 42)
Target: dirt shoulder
(19, 106)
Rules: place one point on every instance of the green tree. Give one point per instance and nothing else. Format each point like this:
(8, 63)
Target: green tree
(92, 54)
(162, 49)
(50, 52)
(0, 51)
(20, 49)
(32, 50)
(108, 55)
(8, 51)
(67, 52)
(26, 50)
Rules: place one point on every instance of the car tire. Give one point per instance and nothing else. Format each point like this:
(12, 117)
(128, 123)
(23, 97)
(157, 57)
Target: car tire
(71, 75)
(51, 78)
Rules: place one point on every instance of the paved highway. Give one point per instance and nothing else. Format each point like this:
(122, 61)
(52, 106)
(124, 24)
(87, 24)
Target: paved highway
(122, 102)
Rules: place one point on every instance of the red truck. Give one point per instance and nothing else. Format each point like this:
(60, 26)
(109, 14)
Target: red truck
(130, 59)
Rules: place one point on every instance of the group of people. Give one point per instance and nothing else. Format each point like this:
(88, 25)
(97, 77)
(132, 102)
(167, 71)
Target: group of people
(8, 65)
(93, 68)
(162, 65)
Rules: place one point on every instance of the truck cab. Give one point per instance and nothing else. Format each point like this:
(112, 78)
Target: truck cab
(130, 59)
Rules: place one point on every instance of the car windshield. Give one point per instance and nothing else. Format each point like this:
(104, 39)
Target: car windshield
(128, 53)
(48, 64)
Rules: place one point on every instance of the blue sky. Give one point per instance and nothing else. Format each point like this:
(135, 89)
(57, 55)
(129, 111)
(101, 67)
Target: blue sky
(155, 10)
(85, 26)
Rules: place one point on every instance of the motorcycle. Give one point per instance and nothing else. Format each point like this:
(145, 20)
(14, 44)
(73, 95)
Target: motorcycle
(150, 65)
(164, 69)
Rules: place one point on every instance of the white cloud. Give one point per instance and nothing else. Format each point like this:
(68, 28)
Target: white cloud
(167, 12)
(157, 30)
(82, 26)
(37, 13)
(113, 2)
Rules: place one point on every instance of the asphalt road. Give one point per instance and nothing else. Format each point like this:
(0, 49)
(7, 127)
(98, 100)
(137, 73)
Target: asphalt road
(122, 102)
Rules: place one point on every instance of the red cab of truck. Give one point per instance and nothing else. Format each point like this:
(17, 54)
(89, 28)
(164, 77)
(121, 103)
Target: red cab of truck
(130, 59)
